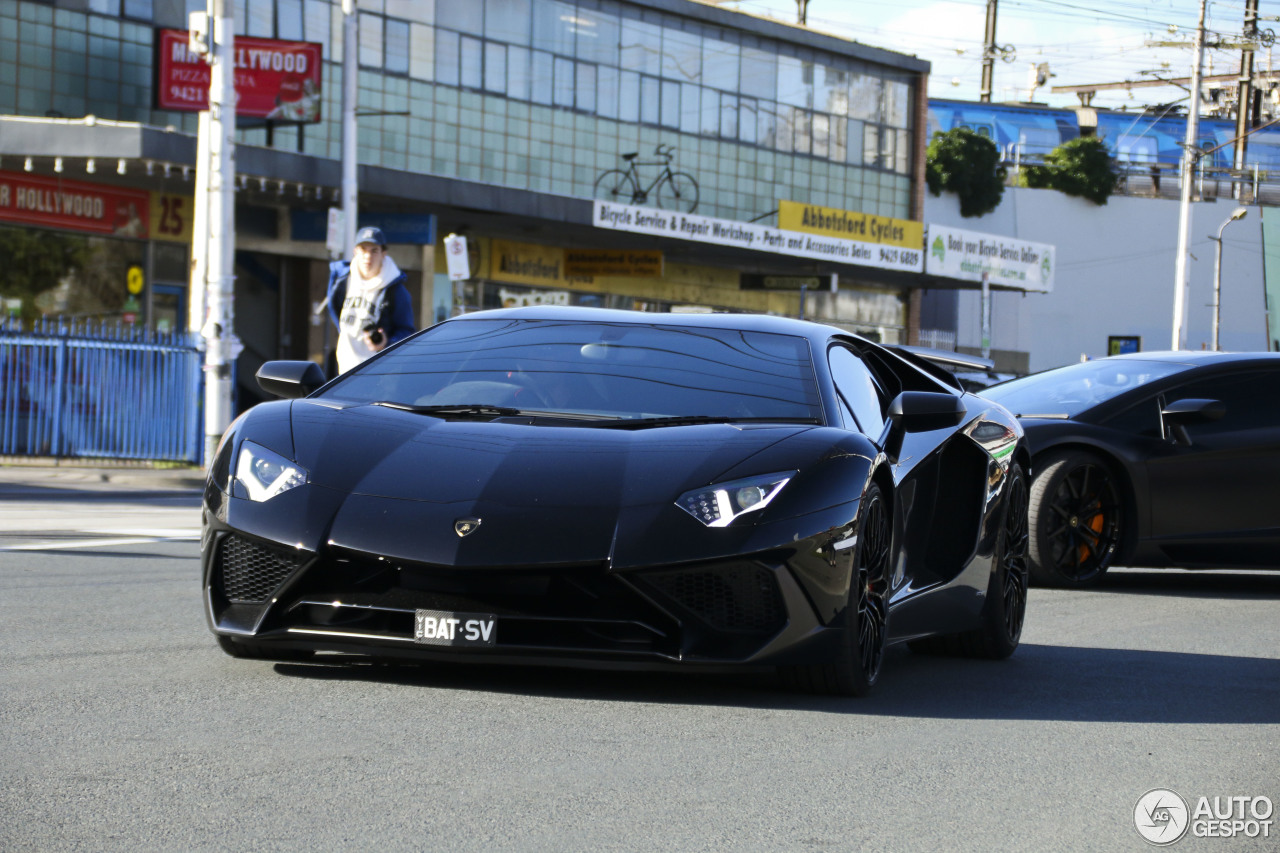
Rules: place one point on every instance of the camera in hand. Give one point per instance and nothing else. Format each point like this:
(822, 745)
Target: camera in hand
(374, 333)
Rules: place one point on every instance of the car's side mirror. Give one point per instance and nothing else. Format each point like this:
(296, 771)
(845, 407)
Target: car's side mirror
(1193, 410)
(921, 411)
(290, 379)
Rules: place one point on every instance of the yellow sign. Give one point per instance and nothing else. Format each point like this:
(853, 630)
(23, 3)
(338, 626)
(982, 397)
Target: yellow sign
(133, 280)
(527, 263)
(850, 225)
(171, 217)
(619, 262)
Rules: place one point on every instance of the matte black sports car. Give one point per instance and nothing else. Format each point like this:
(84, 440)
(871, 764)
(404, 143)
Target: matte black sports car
(619, 488)
(1151, 459)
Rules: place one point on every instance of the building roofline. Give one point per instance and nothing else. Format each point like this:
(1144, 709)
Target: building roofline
(794, 33)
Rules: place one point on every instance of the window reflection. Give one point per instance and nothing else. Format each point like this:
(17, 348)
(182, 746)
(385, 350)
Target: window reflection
(563, 88)
(397, 52)
(689, 112)
(597, 36)
(495, 67)
(508, 20)
(518, 75)
(472, 63)
(607, 91)
(629, 97)
(542, 78)
(465, 17)
(447, 51)
(552, 26)
(681, 56)
(586, 87)
(370, 40)
(597, 60)
(641, 47)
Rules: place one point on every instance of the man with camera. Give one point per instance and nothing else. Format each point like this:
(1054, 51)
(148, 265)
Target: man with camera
(368, 300)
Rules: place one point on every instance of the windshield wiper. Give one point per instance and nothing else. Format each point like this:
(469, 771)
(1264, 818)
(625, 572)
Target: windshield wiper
(687, 420)
(478, 409)
(1057, 416)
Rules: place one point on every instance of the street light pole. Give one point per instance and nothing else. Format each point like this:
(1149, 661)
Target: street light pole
(1238, 213)
(221, 346)
(350, 94)
(1190, 157)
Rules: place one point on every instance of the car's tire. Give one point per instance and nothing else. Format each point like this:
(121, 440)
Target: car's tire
(1076, 517)
(1006, 608)
(855, 668)
(255, 651)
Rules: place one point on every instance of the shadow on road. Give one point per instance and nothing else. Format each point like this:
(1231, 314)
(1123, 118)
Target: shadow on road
(1040, 682)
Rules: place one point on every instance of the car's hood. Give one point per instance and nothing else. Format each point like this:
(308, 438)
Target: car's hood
(541, 493)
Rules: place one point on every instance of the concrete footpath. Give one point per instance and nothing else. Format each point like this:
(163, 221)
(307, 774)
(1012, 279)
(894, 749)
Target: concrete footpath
(26, 476)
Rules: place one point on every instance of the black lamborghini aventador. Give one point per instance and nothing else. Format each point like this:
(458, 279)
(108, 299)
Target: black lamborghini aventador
(1167, 459)
(589, 487)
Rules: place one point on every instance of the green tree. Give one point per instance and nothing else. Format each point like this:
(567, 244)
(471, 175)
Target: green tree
(1080, 167)
(967, 164)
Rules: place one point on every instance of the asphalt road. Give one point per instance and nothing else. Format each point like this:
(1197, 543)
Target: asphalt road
(123, 727)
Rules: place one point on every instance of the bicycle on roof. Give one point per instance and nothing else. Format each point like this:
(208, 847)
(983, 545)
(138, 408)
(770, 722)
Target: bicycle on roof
(670, 190)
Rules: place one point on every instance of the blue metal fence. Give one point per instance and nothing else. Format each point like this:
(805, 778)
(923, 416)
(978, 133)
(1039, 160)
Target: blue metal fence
(99, 391)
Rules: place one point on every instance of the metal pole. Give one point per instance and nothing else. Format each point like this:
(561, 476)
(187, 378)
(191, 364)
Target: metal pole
(986, 315)
(1217, 286)
(219, 326)
(1238, 213)
(988, 53)
(199, 228)
(1244, 99)
(350, 94)
(1189, 158)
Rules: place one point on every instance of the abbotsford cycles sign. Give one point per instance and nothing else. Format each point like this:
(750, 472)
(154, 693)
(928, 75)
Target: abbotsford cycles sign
(891, 244)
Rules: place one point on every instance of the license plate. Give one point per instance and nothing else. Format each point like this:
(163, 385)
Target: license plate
(444, 628)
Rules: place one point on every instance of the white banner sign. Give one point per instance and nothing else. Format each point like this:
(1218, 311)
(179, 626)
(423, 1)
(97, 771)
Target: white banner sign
(1007, 262)
(455, 257)
(747, 235)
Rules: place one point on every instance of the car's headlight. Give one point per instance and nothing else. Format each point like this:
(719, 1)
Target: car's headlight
(720, 504)
(262, 474)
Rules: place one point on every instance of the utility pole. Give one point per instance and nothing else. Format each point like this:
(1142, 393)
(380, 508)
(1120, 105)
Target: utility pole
(802, 12)
(1190, 157)
(988, 53)
(214, 246)
(1244, 102)
(350, 94)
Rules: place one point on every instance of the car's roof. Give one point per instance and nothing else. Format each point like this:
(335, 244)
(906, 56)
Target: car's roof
(1197, 358)
(742, 322)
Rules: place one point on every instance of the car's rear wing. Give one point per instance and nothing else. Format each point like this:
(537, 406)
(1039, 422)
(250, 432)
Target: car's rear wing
(941, 363)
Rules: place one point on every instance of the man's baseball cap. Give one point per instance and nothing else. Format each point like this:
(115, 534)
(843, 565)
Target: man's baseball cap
(371, 235)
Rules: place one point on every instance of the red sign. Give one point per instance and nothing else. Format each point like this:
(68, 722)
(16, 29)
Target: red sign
(80, 206)
(277, 80)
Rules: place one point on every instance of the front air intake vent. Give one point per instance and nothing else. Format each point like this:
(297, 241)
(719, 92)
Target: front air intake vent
(740, 597)
(250, 572)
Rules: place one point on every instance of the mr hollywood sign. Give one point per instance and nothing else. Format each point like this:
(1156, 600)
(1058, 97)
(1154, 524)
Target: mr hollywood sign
(75, 205)
(763, 238)
(276, 80)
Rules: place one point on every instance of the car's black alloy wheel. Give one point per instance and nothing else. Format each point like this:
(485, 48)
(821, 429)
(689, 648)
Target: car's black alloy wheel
(1075, 519)
(1013, 556)
(873, 588)
(856, 668)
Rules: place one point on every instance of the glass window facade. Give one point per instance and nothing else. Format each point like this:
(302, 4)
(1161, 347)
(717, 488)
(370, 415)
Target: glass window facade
(560, 89)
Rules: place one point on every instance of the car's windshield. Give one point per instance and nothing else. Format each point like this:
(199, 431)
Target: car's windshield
(1072, 389)
(607, 370)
